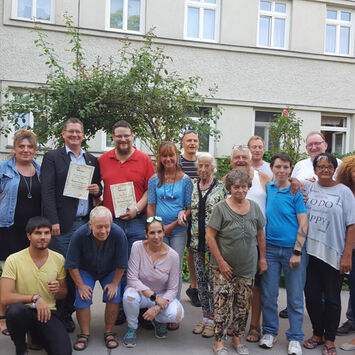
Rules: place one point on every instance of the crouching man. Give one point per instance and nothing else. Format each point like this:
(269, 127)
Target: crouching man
(97, 251)
(32, 280)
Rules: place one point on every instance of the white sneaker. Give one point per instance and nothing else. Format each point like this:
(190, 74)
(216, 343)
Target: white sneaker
(294, 348)
(267, 341)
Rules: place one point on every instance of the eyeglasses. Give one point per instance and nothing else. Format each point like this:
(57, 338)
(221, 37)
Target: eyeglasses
(124, 136)
(315, 144)
(189, 131)
(154, 218)
(74, 132)
(325, 167)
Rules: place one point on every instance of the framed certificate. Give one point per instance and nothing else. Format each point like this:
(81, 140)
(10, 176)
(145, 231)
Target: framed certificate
(78, 179)
(123, 197)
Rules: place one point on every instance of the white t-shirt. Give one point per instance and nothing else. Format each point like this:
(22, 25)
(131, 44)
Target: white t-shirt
(265, 168)
(303, 170)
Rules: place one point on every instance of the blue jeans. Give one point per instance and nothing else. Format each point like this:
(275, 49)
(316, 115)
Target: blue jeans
(177, 241)
(134, 230)
(295, 279)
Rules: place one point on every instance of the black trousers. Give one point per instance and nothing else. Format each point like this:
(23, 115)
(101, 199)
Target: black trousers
(52, 335)
(323, 281)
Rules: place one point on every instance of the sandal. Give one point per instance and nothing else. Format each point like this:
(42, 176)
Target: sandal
(82, 339)
(254, 334)
(110, 338)
(5, 331)
(312, 344)
(329, 350)
(172, 326)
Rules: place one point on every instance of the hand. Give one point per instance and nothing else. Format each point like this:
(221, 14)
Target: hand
(168, 229)
(295, 186)
(111, 290)
(151, 313)
(130, 214)
(225, 269)
(313, 179)
(162, 302)
(43, 311)
(295, 260)
(345, 264)
(262, 266)
(182, 218)
(85, 292)
(56, 229)
(53, 286)
(93, 189)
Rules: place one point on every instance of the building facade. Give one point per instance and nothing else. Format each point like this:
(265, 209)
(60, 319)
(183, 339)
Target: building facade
(263, 55)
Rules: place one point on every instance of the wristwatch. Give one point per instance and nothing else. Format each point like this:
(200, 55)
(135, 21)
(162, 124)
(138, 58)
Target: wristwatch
(34, 301)
(137, 209)
(297, 252)
(153, 297)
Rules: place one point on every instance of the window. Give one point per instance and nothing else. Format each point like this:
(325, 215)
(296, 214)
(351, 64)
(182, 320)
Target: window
(336, 133)
(273, 24)
(126, 15)
(39, 10)
(202, 20)
(338, 32)
(262, 126)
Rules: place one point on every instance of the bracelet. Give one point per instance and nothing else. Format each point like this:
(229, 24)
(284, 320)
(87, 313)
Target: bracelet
(137, 209)
(33, 305)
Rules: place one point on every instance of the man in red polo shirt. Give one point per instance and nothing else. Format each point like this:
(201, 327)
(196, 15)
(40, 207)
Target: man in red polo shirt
(126, 163)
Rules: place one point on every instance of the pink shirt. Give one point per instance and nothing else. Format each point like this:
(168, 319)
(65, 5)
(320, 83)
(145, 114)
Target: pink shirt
(162, 277)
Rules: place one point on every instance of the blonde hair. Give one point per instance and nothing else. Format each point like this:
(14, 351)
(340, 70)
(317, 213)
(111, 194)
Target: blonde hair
(255, 138)
(22, 134)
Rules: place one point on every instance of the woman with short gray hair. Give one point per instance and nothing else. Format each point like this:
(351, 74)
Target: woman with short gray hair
(207, 192)
(234, 230)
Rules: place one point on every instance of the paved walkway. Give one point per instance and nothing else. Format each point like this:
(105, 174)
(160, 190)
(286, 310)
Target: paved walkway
(179, 342)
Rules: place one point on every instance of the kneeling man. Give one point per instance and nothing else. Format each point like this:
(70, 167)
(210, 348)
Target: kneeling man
(97, 251)
(31, 282)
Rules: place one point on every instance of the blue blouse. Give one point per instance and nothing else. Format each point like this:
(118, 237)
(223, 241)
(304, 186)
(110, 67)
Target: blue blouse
(170, 199)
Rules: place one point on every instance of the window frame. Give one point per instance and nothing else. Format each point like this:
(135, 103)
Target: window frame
(274, 15)
(203, 6)
(339, 23)
(336, 130)
(124, 19)
(34, 9)
(265, 124)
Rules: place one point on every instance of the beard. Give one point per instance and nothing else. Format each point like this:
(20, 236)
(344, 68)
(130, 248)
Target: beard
(123, 151)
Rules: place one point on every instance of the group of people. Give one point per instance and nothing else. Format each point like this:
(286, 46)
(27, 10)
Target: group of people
(240, 233)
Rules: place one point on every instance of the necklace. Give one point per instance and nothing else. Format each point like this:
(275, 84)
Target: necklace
(29, 188)
(171, 197)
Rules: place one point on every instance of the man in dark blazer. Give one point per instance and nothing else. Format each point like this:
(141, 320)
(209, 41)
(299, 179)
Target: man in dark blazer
(67, 214)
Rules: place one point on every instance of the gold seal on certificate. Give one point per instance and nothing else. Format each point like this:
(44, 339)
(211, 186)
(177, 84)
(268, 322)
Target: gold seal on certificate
(78, 179)
(123, 197)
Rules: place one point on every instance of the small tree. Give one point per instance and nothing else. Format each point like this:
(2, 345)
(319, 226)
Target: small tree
(136, 87)
(285, 134)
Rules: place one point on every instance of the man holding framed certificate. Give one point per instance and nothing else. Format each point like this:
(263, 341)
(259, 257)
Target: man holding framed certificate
(70, 180)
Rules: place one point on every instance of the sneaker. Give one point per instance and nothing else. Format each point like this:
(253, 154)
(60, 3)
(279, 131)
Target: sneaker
(199, 327)
(294, 348)
(220, 351)
(345, 329)
(129, 340)
(267, 341)
(283, 313)
(160, 329)
(192, 293)
(208, 331)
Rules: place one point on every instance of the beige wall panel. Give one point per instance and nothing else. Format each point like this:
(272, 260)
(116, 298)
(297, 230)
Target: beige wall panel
(92, 14)
(66, 6)
(167, 16)
(239, 22)
(307, 27)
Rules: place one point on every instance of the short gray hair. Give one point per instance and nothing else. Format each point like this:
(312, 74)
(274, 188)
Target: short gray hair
(100, 211)
(240, 147)
(237, 177)
(210, 157)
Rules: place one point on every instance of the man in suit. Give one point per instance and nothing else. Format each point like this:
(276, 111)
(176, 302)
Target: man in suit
(67, 214)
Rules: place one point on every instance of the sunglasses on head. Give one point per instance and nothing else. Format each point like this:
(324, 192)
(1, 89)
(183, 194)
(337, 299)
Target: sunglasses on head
(154, 218)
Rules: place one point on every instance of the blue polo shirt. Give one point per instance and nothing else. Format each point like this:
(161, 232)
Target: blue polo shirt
(282, 209)
(84, 254)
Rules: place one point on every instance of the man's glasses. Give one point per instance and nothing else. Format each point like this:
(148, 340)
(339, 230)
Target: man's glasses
(315, 144)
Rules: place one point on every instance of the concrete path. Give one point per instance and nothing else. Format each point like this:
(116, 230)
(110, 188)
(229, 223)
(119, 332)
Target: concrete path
(182, 341)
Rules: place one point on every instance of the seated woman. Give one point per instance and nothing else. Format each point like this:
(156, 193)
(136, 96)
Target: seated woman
(152, 282)
(234, 229)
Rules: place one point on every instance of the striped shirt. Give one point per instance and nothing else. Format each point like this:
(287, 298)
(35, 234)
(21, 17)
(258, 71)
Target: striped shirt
(189, 167)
